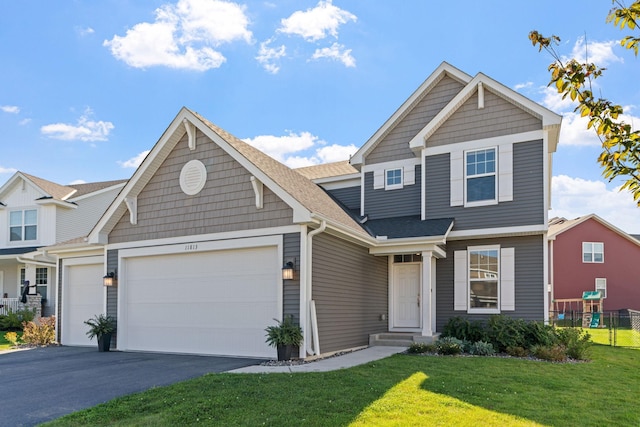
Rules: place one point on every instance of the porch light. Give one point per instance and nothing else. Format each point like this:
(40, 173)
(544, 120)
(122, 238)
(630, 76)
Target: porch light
(287, 270)
(110, 279)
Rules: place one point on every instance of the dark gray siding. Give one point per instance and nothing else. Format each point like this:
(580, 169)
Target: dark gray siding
(226, 203)
(498, 117)
(528, 193)
(350, 292)
(112, 294)
(350, 196)
(383, 203)
(291, 288)
(529, 272)
(395, 145)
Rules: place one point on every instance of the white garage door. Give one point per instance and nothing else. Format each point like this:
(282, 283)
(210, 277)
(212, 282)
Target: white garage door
(216, 302)
(83, 297)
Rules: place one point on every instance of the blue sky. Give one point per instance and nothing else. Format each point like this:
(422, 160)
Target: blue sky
(86, 88)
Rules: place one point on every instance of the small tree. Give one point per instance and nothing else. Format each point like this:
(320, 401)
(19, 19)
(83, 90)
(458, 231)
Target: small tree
(620, 155)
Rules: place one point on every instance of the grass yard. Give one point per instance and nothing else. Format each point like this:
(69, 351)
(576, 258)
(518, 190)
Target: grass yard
(402, 390)
(4, 344)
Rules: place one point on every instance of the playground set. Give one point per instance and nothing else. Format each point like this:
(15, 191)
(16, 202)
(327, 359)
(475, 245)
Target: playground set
(590, 306)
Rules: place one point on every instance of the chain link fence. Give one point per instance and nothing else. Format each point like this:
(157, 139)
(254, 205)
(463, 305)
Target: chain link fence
(615, 328)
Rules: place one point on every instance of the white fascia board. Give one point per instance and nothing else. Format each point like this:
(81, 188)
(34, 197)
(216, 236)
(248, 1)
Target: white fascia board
(59, 203)
(420, 92)
(78, 251)
(345, 232)
(340, 181)
(394, 164)
(524, 230)
(96, 193)
(394, 249)
(486, 142)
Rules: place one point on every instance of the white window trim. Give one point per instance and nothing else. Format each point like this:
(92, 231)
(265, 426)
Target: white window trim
(603, 280)
(593, 252)
(388, 186)
(22, 225)
(472, 310)
(495, 174)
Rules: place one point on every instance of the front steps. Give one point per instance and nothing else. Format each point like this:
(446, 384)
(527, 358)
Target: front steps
(399, 339)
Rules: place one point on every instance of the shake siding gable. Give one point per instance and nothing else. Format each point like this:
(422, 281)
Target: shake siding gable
(469, 123)
(528, 193)
(350, 292)
(226, 203)
(395, 145)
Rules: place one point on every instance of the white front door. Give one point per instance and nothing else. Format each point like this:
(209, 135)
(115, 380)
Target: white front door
(406, 296)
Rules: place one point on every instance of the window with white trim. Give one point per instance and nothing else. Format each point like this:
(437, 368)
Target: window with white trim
(601, 285)
(23, 225)
(484, 279)
(392, 178)
(592, 252)
(42, 281)
(480, 176)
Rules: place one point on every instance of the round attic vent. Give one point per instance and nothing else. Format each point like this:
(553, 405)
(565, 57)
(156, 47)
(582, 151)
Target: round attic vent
(193, 177)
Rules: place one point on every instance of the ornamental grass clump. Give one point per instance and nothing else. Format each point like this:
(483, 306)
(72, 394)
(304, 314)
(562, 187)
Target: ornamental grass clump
(42, 332)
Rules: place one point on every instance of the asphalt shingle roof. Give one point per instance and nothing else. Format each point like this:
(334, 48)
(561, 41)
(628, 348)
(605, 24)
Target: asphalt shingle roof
(408, 226)
(327, 170)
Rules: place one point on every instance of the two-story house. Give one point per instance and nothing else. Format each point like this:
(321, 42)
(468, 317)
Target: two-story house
(35, 213)
(590, 254)
(442, 213)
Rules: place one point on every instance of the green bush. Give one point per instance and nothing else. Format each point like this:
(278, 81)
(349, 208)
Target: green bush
(449, 346)
(517, 351)
(554, 353)
(464, 329)
(504, 332)
(421, 348)
(12, 321)
(576, 342)
(481, 348)
(537, 333)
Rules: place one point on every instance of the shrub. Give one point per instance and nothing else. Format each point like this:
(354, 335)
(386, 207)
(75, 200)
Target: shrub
(42, 332)
(421, 348)
(517, 351)
(449, 346)
(537, 333)
(12, 337)
(481, 348)
(12, 321)
(504, 332)
(554, 353)
(576, 341)
(464, 329)
(284, 333)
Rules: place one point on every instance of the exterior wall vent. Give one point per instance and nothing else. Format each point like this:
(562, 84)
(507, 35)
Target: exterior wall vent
(193, 177)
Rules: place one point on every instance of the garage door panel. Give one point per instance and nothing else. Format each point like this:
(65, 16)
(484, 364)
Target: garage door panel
(83, 299)
(216, 302)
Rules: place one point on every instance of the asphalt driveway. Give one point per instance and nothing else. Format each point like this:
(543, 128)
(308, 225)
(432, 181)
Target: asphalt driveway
(42, 384)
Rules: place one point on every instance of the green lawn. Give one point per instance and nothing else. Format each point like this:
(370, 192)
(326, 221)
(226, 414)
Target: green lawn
(402, 390)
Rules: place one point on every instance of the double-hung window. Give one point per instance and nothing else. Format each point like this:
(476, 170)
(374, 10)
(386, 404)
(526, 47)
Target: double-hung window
(483, 279)
(480, 177)
(23, 225)
(601, 285)
(592, 252)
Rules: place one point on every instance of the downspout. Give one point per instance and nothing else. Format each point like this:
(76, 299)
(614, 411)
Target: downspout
(311, 308)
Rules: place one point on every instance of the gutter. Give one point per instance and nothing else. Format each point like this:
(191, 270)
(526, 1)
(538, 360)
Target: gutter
(31, 261)
(313, 320)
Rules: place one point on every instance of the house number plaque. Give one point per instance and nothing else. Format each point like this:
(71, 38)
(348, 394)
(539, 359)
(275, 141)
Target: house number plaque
(191, 247)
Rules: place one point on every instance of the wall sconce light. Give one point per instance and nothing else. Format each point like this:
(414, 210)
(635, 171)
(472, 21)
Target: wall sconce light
(287, 270)
(110, 279)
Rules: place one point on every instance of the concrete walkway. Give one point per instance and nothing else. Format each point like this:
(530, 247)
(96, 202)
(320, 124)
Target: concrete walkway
(348, 360)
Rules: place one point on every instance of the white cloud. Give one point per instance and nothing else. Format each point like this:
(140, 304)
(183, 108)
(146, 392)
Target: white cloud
(554, 101)
(574, 197)
(84, 130)
(183, 35)
(24, 122)
(316, 23)
(335, 153)
(85, 31)
(523, 85)
(11, 109)
(8, 170)
(78, 181)
(134, 162)
(268, 56)
(599, 53)
(337, 52)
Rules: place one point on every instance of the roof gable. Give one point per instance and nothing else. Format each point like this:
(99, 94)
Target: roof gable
(560, 225)
(444, 69)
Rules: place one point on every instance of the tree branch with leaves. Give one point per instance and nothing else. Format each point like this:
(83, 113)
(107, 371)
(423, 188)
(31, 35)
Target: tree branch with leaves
(620, 155)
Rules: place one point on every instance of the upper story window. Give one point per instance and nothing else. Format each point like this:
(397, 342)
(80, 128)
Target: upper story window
(23, 225)
(480, 177)
(592, 252)
(393, 178)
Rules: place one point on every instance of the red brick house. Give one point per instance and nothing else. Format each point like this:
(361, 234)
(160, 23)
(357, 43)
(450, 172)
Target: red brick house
(589, 254)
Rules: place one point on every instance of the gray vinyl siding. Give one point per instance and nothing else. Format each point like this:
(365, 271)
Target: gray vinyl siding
(527, 207)
(350, 293)
(112, 294)
(381, 203)
(350, 196)
(78, 222)
(529, 279)
(395, 145)
(498, 117)
(291, 288)
(226, 203)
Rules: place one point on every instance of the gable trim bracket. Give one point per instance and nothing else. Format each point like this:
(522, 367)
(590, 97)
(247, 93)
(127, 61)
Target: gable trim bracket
(191, 133)
(258, 189)
(132, 206)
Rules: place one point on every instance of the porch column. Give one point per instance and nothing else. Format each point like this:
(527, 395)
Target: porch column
(30, 274)
(428, 293)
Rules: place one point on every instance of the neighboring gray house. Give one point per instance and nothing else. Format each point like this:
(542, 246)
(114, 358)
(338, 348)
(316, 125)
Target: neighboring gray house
(443, 212)
(35, 213)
